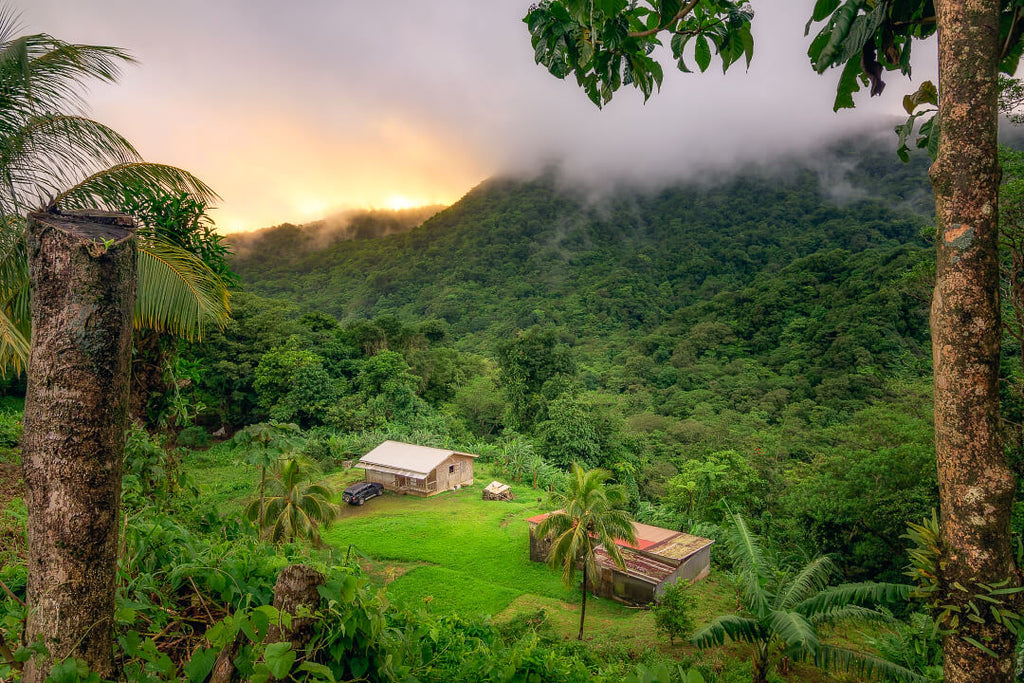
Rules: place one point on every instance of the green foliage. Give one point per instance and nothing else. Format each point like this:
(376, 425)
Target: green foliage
(292, 385)
(182, 219)
(195, 436)
(152, 475)
(915, 644)
(535, 367)
(673, 613)
(952, 604)
(705, 489)
(293, 507)
(783, 607)
(10, 428)
(606, 45)
(664, 673)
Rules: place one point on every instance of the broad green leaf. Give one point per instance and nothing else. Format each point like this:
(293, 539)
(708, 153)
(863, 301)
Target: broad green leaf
(702, 53)
(926, 94)
(842, 21)
(848, 84)
(822, 9)
(279, 658)
(199, 667)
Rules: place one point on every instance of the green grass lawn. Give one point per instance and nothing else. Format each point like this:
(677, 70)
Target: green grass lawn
(458, 553)
(465, 554)
(218, 475)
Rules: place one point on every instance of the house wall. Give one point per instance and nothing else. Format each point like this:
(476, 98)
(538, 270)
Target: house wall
(694, 568)
(539, 547)
(622, 587)
(456, 470)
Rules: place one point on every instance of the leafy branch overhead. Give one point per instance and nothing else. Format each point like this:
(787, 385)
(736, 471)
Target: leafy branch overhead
(607, 44)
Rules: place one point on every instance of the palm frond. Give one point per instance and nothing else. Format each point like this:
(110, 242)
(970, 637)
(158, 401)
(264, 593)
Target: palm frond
(811, 578)
(42, 73)
(733, 626)
(14, 347)
(749, 559)
(853, 594)
(795, 630)
(10, 24)
(864, 666)
(105, 188)
(178, 293)
(44, 154)
(745, 547)
(850, 613)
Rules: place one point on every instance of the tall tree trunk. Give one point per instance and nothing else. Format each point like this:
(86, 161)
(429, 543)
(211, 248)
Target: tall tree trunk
(976, 486)
(583, 607)
(83, 269)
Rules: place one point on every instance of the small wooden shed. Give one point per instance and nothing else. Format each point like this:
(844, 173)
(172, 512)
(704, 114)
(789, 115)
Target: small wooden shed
(419, 470)
(498, 491)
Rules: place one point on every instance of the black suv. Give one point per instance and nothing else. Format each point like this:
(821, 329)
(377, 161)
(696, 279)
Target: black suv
(357, 494)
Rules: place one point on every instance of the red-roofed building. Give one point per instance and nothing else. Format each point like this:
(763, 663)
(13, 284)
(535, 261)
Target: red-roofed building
(659, 558)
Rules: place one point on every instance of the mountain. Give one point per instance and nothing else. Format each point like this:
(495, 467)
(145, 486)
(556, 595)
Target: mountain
(628, 261)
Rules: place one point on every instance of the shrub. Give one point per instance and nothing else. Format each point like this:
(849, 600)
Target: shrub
(194, 437)
(674, 612)
(10, 428)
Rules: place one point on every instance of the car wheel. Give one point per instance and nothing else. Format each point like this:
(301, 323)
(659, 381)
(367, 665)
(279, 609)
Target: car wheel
(361, 501)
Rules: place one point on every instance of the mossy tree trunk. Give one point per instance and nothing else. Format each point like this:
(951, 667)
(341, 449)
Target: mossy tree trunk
(976, 486)
(83, 279)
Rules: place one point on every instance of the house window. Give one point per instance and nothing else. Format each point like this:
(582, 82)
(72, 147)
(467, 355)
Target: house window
(451, 469)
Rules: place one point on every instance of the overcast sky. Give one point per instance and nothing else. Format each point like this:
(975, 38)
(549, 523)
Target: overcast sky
(294, 110)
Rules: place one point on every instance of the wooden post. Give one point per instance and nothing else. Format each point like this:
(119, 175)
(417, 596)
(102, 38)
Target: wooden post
(83, 278)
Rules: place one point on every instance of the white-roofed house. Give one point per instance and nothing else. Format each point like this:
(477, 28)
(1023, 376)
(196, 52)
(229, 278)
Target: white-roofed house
(420, 470)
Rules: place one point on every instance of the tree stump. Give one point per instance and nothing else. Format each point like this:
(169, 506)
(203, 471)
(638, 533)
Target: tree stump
(83, 280)
(296, 586)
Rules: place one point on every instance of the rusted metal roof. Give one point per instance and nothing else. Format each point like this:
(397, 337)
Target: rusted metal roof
(639, 566)
(675, 546)
(679, 547)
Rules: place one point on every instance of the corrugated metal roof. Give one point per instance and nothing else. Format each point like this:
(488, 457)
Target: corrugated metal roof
(639, 566)
(674, 545)
(406, 458)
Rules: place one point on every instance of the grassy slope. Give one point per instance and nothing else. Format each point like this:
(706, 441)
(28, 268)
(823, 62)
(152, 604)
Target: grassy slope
(457, 553)
(467, 554)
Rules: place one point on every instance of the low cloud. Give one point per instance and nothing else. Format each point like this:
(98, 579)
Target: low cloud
(291, 110)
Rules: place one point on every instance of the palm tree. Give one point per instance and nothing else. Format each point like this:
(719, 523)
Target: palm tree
(783, 608)
(264, 445)
(295, 506)
(53, 156)
(590, 516)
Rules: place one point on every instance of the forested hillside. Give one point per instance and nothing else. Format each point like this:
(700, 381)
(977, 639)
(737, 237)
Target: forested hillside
(759, 340)
(513, 253)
